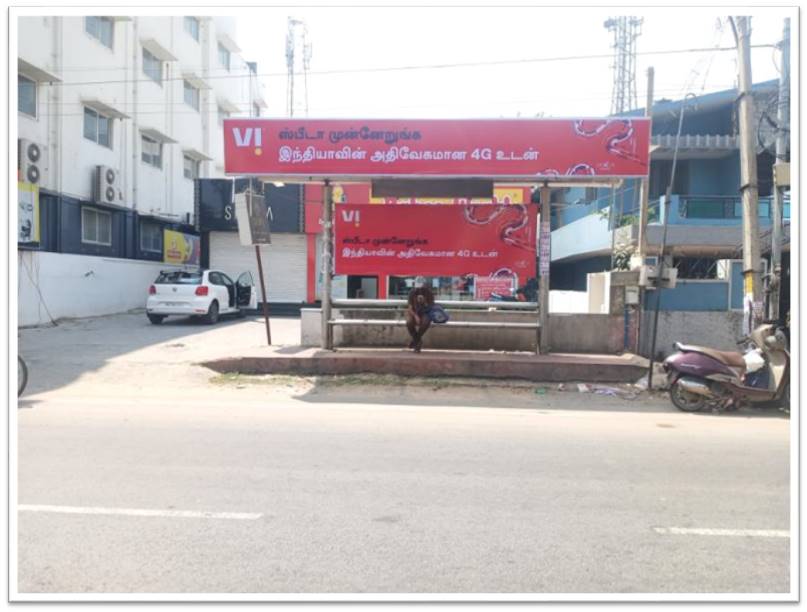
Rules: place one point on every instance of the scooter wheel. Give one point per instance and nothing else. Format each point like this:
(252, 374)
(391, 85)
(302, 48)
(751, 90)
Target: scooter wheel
(686, 401)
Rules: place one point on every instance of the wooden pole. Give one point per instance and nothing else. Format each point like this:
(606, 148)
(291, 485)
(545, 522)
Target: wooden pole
(263, 292)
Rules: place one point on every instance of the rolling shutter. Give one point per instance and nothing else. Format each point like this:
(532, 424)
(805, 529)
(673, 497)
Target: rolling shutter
(284, 263)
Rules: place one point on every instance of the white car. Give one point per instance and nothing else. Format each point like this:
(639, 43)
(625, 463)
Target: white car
(205, 293)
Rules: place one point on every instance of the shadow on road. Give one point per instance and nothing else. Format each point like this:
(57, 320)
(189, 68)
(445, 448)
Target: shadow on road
(26, 404)
(60, 355)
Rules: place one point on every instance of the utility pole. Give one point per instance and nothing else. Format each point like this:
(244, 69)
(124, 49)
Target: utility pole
(748, 177)
(645, 185)
(544, 257)
(782, 131)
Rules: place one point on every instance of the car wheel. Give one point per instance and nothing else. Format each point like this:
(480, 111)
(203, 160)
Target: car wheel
(156, 319)
(212, 316)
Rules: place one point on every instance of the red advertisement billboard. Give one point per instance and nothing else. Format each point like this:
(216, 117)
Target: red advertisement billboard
(486, 240)
(513, 149)
(360, 193)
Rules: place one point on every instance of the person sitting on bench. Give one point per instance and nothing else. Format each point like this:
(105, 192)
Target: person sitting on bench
(421, 299)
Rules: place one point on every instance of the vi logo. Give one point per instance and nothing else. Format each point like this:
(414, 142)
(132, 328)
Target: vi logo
(249, 137)
(351, 216)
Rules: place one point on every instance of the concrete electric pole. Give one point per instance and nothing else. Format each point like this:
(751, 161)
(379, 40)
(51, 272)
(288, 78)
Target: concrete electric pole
(645, 184)
(748, 177)
(782, 137)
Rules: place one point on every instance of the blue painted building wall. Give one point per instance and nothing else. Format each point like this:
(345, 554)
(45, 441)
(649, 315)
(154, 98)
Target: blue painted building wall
(698, 296)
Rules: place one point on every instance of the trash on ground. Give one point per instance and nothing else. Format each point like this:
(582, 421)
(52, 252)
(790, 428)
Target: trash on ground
(659, 382)
(540, 391)
(561, 387)
(583, 388)
(614, 392)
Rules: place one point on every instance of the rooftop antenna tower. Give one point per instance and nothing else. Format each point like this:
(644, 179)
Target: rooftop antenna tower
(626, 30)
(298, 51)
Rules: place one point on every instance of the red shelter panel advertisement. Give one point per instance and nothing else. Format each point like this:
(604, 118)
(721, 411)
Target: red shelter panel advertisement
(514, 149)
(360, 193)
(441, 241)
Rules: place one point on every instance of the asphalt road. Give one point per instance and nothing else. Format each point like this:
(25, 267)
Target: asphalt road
(139, 476)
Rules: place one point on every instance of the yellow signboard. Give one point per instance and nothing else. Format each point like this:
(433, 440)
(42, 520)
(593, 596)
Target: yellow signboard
(27, 213)
(181, 248)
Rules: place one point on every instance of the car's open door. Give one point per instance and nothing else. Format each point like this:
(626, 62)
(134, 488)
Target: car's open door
(247, 294)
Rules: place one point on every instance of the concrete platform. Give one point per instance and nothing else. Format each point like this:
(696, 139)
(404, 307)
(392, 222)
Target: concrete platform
(539, 368)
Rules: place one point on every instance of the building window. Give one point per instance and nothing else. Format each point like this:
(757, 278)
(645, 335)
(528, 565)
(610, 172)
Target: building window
(257, 110)
(191, 95)
(96, 227)
(151, 238)
(152, 152)
(100, 28)
(191, 167)
(192, 27)
(153, 67)
(224, 56)
(97, 127)
(223, 114)
(696, 268)
(26, 95)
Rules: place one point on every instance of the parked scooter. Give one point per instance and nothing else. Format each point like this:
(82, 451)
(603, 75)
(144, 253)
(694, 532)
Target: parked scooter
(700, 376)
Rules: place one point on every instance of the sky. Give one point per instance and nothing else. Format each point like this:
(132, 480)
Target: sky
(374, 39)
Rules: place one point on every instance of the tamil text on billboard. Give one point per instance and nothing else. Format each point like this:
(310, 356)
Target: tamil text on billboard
(512, 149)
(484, 240)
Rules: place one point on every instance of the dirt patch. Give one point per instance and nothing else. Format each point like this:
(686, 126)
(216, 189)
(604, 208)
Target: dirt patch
(371, 380)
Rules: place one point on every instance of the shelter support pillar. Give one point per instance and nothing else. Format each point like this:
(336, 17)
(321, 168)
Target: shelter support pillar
(327, 266)
(544, 257)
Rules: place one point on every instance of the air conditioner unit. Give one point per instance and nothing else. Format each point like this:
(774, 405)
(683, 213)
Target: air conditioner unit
(107, 186)
(30, 161)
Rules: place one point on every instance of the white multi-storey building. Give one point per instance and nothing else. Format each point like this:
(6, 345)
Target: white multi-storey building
(116, 117)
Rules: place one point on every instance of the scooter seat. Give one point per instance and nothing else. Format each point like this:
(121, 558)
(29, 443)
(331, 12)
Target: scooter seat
(730, 358)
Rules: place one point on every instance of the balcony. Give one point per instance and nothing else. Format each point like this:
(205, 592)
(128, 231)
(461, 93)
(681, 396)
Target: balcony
(710, 210)
(697, 224)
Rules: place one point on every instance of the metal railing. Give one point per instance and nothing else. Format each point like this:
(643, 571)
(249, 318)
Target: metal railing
(457, 304)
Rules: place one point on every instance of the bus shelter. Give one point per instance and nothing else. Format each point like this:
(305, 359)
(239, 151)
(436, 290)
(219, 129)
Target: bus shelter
(457, 159)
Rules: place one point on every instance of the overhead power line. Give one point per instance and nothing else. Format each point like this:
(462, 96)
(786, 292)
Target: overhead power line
(536, 60)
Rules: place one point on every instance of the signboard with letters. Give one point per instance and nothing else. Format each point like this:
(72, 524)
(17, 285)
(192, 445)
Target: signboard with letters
(511, 149)
(484, 240)
(484, 286)
(27, 214)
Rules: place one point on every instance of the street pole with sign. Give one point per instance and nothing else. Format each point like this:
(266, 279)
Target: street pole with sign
(253, 230)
